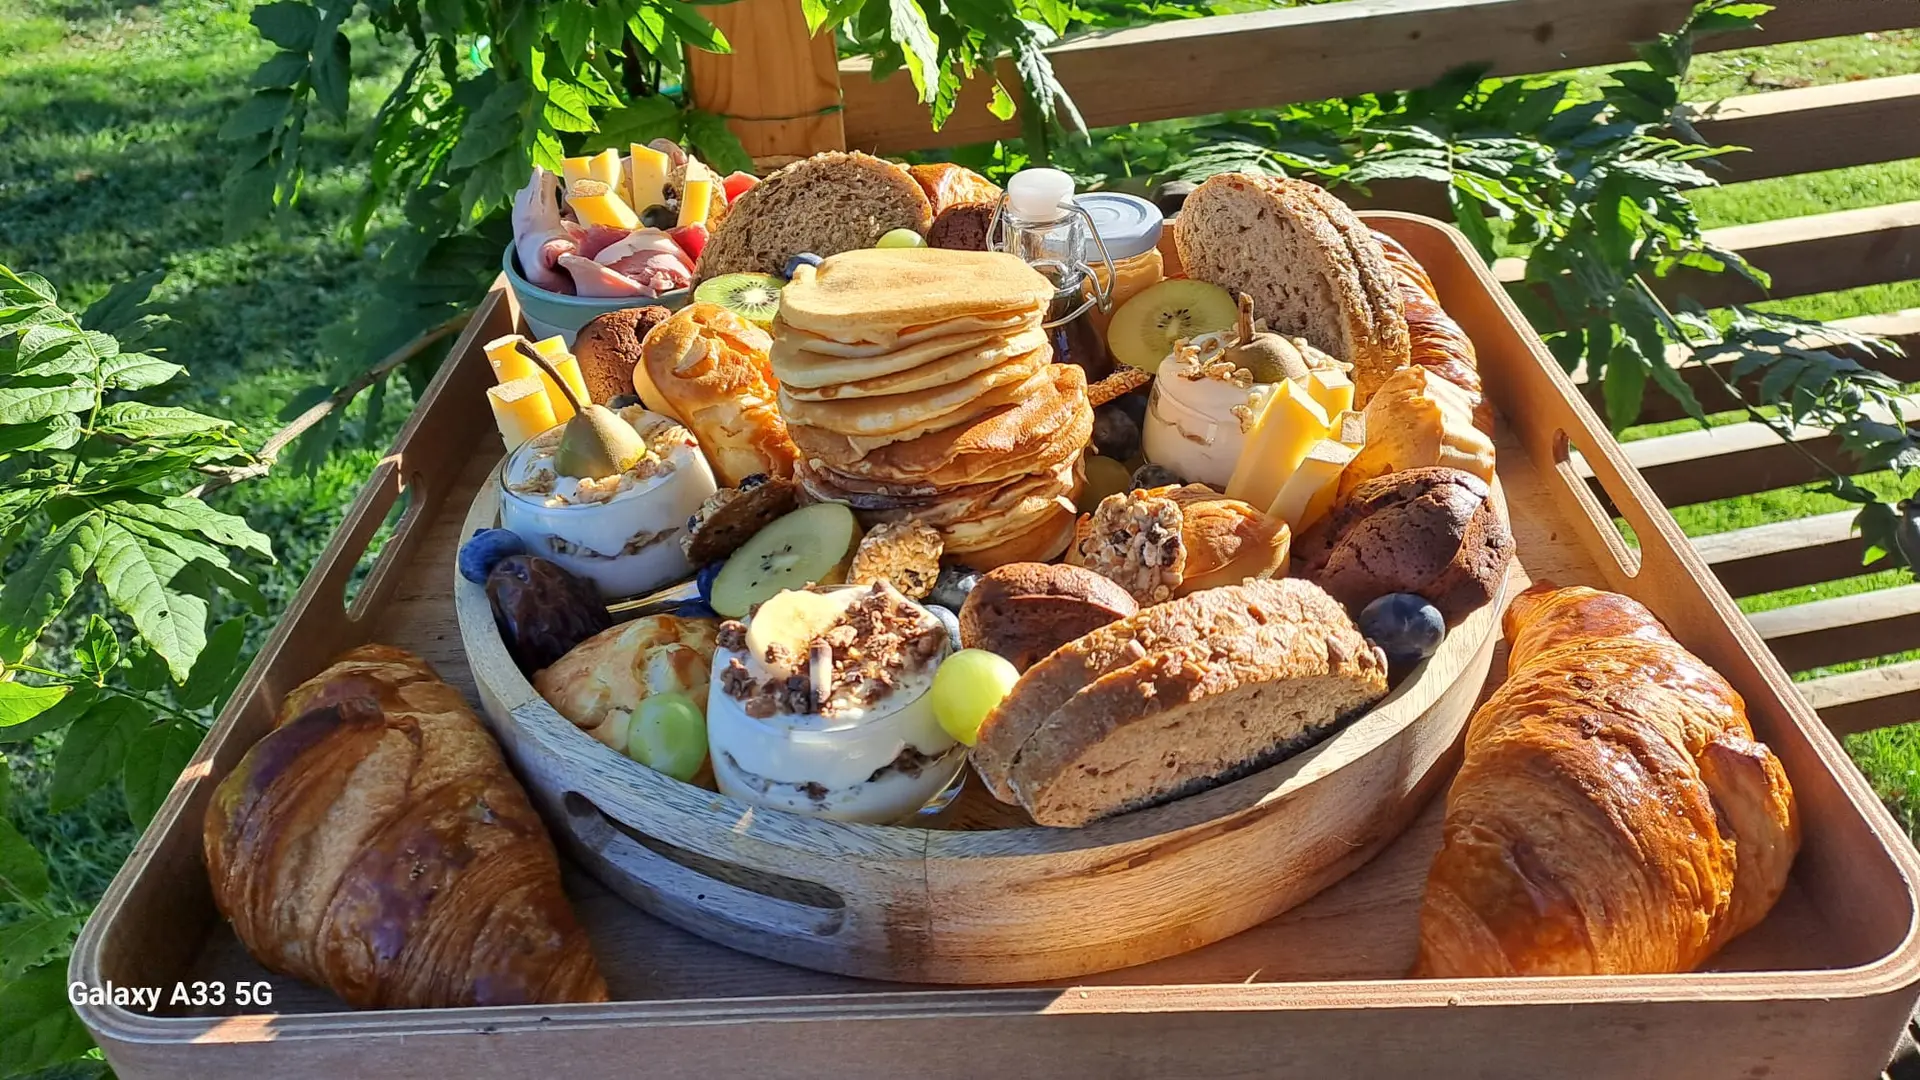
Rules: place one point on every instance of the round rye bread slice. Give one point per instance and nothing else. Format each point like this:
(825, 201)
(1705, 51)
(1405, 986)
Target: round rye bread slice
(1177, 698)
(828, 203)
(1312, 269)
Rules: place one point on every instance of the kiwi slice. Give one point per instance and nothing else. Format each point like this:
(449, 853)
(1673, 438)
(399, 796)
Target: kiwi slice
(1144, 329)
(811, 546)
(753, 297)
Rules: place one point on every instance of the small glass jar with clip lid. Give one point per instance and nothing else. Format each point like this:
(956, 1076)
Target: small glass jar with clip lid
(1038, 220)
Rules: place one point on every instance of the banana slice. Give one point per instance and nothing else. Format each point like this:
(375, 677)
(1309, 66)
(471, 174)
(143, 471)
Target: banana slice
(792, 620)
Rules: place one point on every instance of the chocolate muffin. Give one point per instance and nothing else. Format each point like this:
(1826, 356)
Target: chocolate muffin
(1433, 531)
(1024, 611)
(608, 349)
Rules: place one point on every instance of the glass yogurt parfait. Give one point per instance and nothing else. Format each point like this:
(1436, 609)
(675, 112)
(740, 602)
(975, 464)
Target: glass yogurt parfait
(620, 532)
(819, 706)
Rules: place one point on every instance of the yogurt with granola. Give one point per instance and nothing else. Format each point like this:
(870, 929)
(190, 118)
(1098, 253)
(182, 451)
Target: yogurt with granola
(620, 532)
(825, 712)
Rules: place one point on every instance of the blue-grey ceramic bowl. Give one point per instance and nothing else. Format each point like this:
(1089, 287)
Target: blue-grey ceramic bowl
(550, 313)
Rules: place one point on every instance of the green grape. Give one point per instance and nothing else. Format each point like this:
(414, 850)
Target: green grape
(669, 735)
(968, 686)
(901, 238)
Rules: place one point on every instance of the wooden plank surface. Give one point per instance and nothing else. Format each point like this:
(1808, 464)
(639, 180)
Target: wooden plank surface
(1737, 459)
(1843, 628)
(1813, 128)
(1270, 58)
(779, 90)
(1863, 700)
(1787, 554)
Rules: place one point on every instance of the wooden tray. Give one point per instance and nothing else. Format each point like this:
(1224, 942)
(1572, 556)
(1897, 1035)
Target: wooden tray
(1821, 988)
(983, 896)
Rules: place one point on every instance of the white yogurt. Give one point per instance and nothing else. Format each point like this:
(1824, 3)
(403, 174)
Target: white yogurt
(1191, 427)
(845, 766)
(626, 543)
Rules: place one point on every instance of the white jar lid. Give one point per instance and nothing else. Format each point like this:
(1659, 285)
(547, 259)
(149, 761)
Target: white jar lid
(1039, 195)
(1127, 224)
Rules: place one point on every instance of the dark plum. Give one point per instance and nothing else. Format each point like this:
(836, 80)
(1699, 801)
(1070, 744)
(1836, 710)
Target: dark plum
(542, 610)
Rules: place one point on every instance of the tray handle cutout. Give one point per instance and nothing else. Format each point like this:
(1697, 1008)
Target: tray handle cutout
(1573, 476)
(661, 876)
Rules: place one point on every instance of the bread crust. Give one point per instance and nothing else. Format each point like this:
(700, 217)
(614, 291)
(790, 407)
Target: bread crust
(1023, 611)
(1368, 328)
(828, 203)
(711, 366)
(609, 349)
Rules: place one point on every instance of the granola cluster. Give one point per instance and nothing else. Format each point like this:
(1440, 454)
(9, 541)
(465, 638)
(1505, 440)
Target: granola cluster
(1134, 539)
(906, 553)
(855, 663)
(1205, 358)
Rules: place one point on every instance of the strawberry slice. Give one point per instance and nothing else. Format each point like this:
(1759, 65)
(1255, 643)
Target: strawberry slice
(691, 238)
(737, 184)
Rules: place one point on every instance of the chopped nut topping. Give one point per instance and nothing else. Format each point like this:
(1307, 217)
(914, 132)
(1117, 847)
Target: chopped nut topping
(853, 664)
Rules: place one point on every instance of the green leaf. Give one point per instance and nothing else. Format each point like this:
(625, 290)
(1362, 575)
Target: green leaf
(38, 397)
(28, 941)
(643, 120)
(57, 432)
(6, 784)
(20, 703)
(279, 71)
(258, 114)
(95, 750)
(288, 24)
(38, 592)
(1001, 104)
(71, 708)
(218, 668)
(693, 28)
(907, 25)
(23, 873)
(572, 26)
(99, 650)
(332, 70)
(38, 1027)
(138, 420)
(566, 108)
(154, 762)
(182, 514)
(137, 575)
(137, 371)
(1624, 389)
(717, 143)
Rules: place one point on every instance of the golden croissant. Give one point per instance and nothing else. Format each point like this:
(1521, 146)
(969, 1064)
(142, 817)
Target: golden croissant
(1614, 814)
(375, 843)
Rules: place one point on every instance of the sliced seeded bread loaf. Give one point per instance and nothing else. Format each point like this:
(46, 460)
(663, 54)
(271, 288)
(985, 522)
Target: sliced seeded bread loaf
(1312, 268)
(1177, 698)
(825, 204)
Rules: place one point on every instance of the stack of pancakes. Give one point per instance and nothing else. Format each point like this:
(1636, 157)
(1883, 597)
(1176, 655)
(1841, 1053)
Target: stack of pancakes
(918, 383)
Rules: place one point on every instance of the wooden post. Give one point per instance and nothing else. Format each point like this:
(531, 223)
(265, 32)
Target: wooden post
(779, 89)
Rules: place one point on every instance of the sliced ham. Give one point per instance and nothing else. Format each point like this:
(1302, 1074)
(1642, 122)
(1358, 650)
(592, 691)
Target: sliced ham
(592, 279)
(540, 236)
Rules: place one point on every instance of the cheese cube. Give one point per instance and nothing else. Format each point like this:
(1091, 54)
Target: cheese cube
(595, 202)
(1332, 389)
(605, 167)
(1308, 494)
(554, 349)
(575, 169)
(508, 362)
(1350, 430)
(520, 410)
(696, 199)
(1282, 434)
(650, 171)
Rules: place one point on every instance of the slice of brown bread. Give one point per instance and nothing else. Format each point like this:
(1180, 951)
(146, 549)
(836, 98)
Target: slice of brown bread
(825, 204)
(1177, 697)
(1312, 269)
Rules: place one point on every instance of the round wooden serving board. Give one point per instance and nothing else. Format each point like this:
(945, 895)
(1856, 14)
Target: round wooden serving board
(984, 896)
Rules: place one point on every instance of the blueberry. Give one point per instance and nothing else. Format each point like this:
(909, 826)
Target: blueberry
(805, 258)
(949, 620)
(624, 401)
(484, 549)
(1115, 433)
(660, 217)
(692, 609)
(1404, 625)
(1134, 404)
(706, 578)
(748, 483)
(1153, 476)
(951, 590)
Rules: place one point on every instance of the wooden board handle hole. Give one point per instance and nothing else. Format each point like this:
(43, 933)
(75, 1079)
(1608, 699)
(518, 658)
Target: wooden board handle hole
(747, 897)
(1572, 473)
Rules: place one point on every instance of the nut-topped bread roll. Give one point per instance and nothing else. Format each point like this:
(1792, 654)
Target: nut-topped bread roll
(1177, 698)
(1614, 814)
(1170, 541)
(1312, 269)
(374, 843)
(711, 366)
